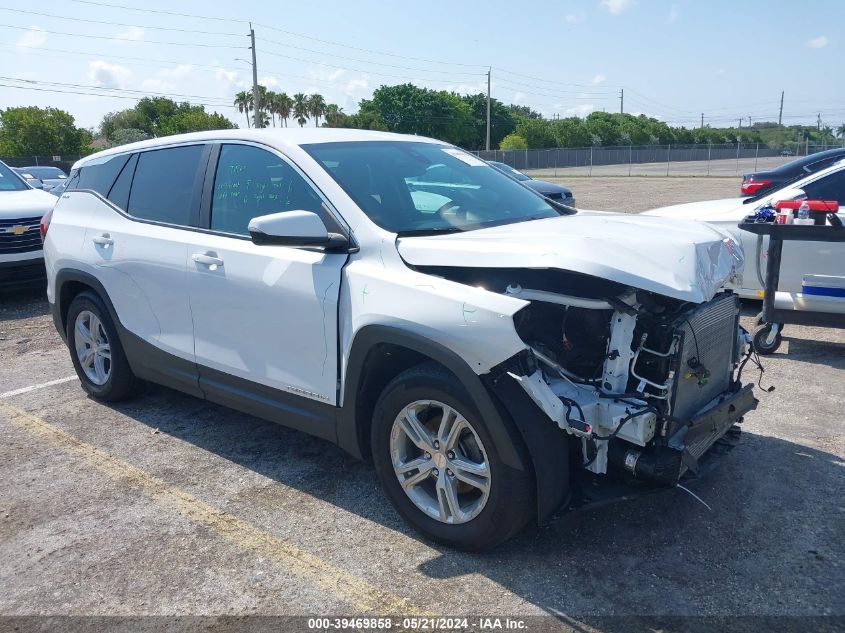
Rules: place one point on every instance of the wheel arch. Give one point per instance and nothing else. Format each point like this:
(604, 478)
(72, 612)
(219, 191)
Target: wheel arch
(70, 283)
(380, 352)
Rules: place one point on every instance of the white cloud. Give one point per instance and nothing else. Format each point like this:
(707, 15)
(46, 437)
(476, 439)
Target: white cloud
(581, 110)
(674, 12)
(574, 18)
(616, 6)
(229, 76)
(519, 97)
(271, 83)
(33, 38)
(817, 42)
(154, 85)
(134, 33)
(107, 75)
(598, 79)
(177, 72)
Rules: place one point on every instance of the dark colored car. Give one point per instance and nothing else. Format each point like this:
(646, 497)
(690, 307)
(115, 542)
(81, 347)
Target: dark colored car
(764, 181)
(50, 176)
(548, 189)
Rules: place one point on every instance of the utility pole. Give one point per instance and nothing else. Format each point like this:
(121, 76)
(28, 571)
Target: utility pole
(702, 120)
(256, 104)
(780, 114)
(621, 101)
(819, 122)
(740, 123)
(487, 145)
(749, 121)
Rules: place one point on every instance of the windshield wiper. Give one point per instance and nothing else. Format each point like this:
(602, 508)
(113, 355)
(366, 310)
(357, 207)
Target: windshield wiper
(437, 230)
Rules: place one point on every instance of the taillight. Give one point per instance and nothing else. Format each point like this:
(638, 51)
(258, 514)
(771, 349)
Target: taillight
(751, 186)
(45, 223)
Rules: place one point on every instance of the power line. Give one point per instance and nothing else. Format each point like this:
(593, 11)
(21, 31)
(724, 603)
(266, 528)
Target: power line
(121, 39)
(110, 89)
(93, 94)
(365, 61)
(159, 11)
(140, 26)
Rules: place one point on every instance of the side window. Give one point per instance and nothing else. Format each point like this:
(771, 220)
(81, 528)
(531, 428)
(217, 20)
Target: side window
(830, 187)
(119, 194)
(164, 185)
(99, 177)
(252, 182)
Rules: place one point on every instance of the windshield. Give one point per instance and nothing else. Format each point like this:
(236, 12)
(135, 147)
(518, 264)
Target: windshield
(417, 188)
(10, 181)
(510, 171)
(45, 172)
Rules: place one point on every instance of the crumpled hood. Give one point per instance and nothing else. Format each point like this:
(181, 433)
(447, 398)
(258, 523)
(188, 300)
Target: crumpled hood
(706, 211)
(685, 260)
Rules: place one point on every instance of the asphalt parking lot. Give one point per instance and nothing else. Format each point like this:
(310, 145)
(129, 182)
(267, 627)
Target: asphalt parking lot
(168, 505)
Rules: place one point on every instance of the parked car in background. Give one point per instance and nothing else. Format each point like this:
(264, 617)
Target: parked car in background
(548, 189)
(50, 176)
(761, 182)
(799, 258)
(21, 210)
(476, 340)
(30, 179)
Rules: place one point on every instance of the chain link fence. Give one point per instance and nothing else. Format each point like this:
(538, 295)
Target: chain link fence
(62, 162)
(730, 159)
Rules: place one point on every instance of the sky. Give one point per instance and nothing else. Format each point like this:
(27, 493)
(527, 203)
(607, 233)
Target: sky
(674, 59)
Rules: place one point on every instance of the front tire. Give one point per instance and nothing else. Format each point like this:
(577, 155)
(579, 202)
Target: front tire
(439, 465)
(96, 352)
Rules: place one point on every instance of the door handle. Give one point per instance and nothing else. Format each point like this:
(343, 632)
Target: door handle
(103, 240)
(207, 259)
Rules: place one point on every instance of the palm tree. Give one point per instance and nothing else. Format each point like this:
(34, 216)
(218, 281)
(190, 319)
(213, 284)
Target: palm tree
(284, 105)
(262, 107)
(243, 102)
(840, 131)
(269, 103)
(300, 108)
(316, 107)
(334, 115)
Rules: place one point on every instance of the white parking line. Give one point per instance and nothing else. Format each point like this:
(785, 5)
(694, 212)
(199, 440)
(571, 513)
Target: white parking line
(49, 383)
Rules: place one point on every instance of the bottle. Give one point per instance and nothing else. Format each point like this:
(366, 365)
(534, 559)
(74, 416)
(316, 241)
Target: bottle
(804, 211)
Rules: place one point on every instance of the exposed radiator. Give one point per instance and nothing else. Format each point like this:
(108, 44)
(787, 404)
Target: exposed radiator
(705, 359)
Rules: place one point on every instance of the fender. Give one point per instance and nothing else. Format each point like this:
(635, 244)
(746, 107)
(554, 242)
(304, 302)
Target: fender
(349, 436)
(147, 362)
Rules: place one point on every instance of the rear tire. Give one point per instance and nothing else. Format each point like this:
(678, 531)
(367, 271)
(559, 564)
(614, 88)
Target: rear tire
(96, 352)
(479, 501)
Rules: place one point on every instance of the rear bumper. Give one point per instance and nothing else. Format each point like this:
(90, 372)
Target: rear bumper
(27, 272)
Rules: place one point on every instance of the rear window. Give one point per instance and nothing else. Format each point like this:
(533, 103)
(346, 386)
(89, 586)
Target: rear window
(100, 176)
(164, 185)
(46, 172)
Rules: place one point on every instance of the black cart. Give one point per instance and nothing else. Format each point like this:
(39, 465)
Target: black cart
(767, 335)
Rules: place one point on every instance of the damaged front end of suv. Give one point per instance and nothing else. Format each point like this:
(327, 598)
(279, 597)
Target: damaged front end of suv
(642, 372)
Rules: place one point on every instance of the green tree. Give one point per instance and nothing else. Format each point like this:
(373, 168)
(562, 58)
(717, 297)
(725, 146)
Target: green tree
(284, 106)
(502, 120)
(513, 141)
(536, 132)
(411, 110)
(316, 107)
(300, 108)
(334, 116)
(840, 131)
(159, 117)
(33, 131)
(243, 102)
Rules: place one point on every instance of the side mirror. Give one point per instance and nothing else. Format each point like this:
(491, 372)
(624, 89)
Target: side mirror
(294, 228)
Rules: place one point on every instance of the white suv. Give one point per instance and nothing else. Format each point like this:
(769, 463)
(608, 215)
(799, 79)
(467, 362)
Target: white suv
(493, 352)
